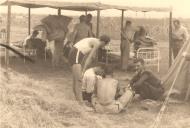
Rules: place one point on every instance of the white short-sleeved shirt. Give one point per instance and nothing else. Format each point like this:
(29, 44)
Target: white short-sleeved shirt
(85, 45)
(89, 80)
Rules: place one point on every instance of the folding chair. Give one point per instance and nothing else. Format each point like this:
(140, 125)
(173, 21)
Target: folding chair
(150, 55)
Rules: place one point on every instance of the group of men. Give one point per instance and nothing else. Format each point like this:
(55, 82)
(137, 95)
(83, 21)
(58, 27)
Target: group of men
(136, 35)
(104, 93)
(139, 37)
(97, 85)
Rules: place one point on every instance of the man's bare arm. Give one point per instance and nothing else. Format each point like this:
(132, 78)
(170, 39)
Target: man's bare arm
(141, 80)
(90, 56)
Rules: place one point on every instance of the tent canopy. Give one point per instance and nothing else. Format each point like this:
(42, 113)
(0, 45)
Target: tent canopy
(62, 4)
(143, 9)
(77, 5)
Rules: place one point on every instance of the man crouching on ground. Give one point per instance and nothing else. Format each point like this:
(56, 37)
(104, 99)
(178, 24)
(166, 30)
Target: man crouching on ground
(103, 99)
(145, 83)
(90, 78)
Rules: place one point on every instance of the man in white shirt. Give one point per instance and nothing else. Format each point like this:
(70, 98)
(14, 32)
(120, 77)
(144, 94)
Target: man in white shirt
(90, 78)
(179, 36)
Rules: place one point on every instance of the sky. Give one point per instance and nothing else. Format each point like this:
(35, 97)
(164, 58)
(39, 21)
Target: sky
(181, 8)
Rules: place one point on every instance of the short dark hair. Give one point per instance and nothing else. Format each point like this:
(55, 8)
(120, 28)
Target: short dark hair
(105, 38)
(141, 30)
(128, 22)
(89, 15)
(35, 32)
(176, 21)
(139, 60)
(82, 18)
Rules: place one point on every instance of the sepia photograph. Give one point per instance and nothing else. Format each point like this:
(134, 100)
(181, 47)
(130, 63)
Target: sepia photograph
(94, 64)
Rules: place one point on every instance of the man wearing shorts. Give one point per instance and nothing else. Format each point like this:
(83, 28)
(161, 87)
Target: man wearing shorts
(85, 47)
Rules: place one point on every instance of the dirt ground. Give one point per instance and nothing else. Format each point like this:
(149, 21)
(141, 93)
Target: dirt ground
(39, 96)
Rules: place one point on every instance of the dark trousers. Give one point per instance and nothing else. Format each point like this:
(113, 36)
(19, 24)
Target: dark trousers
(87, 96)
(176, 47)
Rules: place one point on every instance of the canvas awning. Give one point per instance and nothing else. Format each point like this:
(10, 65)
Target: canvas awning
(61, 4)
(142, 9)
(78, 5)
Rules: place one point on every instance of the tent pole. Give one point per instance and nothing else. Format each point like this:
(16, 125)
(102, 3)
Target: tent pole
(98, 24)
(59, 11)
(170, 39)
(29, 20)
(86, 12)
(8, 35)
(122, 18)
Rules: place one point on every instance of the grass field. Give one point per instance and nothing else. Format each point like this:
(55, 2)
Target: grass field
(39, 96)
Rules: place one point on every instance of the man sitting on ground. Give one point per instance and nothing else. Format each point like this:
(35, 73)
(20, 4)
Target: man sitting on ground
(145, 83)
(90, 78)
(104, 98)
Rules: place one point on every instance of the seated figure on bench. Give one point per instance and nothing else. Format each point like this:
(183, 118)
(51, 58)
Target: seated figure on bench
(32, 42)
(142, 40)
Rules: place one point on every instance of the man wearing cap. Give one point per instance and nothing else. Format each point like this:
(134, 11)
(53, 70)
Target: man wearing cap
(85, 47)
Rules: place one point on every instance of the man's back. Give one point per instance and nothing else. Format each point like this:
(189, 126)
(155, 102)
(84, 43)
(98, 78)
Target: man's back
(82, 30)
(106, 90)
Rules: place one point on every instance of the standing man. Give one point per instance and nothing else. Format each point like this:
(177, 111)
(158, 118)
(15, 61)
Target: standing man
(85, 47)
(88, 22)
(179, 36)
(81, 30)
(126, 39)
